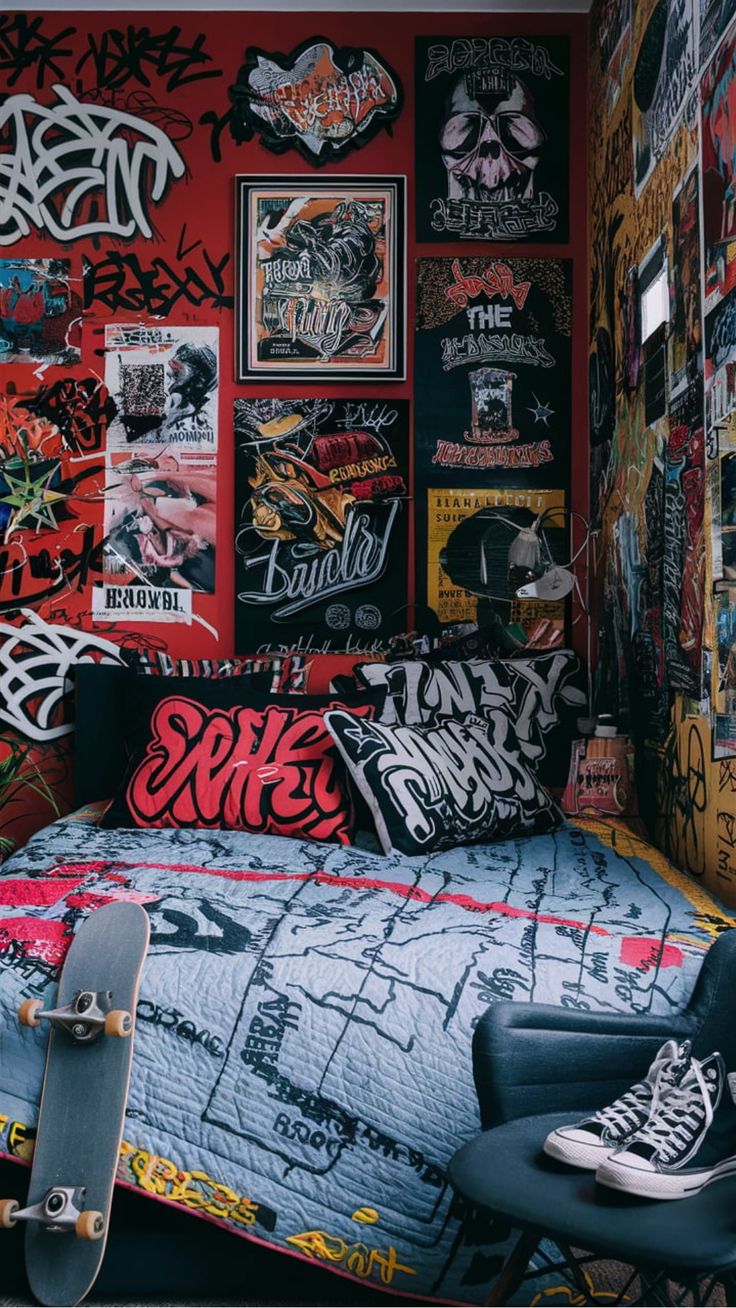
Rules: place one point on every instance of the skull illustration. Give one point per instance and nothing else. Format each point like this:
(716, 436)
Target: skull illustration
(489, 139)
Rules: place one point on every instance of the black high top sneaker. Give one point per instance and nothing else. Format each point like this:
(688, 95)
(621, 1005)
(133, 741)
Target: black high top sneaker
(689, 1142)
(588, 1143)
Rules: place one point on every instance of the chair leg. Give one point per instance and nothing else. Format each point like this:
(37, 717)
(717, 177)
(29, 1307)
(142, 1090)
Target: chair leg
(512, 1272)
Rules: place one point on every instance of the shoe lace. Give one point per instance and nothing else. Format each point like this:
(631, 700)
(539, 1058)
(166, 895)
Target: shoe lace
(679, 1115)
(624, 1115)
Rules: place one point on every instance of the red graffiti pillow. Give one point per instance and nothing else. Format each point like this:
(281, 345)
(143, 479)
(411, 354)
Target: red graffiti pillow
(265, 764)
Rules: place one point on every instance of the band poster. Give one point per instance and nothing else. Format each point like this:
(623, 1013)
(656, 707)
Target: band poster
(321, 524)
(493, 368)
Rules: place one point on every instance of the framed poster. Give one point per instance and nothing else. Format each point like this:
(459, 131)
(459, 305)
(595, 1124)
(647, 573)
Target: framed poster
(492, 138)
(321, 278)
(321, 523)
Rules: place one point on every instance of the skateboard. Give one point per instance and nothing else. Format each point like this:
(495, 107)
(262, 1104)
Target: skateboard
(80, 1122)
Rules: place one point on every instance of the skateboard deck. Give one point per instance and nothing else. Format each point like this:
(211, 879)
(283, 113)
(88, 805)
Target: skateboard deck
(82, 1110)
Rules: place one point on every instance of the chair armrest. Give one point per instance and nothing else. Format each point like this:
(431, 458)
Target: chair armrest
(536, 1058)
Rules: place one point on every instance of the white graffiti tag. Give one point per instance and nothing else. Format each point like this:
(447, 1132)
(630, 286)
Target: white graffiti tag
(35, 662)
(74, 170)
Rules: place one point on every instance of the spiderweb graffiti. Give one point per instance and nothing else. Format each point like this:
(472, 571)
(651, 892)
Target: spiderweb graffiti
(35, 662)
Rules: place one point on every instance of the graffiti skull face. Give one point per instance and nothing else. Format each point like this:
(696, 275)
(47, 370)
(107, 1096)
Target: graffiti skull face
(490, 140)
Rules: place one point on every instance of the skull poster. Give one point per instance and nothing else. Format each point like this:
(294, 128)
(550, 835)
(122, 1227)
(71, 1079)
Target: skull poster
(492, 138)
(321, 523)
(321, 278)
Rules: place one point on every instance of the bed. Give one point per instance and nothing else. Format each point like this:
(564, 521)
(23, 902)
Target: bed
(303, 1069)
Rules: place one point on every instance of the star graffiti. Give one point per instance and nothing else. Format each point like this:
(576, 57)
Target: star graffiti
(27, 496)
(542, 411)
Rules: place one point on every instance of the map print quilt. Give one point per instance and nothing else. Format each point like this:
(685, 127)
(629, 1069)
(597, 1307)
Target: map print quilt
(302, 1070)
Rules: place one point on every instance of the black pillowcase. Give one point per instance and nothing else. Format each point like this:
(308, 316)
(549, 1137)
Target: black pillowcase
(184, 746)
(101, 755)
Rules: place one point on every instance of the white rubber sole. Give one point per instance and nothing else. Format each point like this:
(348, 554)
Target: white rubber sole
(657, 1185)
(576, 1153)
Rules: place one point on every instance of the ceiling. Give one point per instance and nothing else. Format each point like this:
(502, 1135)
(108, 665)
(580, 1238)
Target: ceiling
(326, 6)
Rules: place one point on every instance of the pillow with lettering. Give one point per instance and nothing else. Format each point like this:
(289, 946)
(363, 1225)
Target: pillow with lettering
(222, 759)
(541, 693)
(433, 787)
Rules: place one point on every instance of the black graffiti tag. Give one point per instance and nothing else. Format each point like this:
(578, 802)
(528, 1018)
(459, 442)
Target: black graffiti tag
(81, 409)
(24, 45)
(118, 57)
(119, 280)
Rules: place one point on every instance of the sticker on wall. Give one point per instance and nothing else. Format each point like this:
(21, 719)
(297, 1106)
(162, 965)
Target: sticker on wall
(49, 498)
(718, 101)
(321, 278)
(164, 383)
(684, 575)
(614, 44)
(322, 100)
(664, 74)
(724, 735)
(466, 571)
(161, 477)
(40, 312)
(321, 523)
(160, 532)
(492, 138)
(715, 16)
(686, 329)
(720, 360)
(492, 370)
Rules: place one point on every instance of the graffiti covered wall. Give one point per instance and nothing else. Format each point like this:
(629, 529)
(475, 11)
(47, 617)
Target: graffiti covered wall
(120, 309)
(662, 399)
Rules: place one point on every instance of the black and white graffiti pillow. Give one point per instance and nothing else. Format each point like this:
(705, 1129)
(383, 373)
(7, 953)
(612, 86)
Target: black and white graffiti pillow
(454, 783)
(541, 693)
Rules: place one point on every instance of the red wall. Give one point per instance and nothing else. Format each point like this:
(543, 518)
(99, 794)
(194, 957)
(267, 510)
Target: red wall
(204, 202)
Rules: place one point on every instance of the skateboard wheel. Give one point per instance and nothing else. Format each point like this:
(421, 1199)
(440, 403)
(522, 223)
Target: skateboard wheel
(29, 1011)
(118, 1023)
(90, 1225)
(8, 1209)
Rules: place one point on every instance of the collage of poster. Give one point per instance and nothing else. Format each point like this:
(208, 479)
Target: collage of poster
(492, 430)
(324, 499)
(718, 156)
(160, 472)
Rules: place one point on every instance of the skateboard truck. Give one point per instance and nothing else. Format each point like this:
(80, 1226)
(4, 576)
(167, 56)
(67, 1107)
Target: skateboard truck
(88, 1014)
(60, 1210)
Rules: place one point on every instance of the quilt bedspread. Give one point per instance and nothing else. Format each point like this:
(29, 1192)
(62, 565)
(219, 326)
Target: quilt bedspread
(302, 1068)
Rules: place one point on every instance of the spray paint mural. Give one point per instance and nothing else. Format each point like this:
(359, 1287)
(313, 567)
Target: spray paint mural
(662, 393)
(120, 413)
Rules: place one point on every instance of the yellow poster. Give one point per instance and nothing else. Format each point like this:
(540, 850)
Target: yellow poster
(449, 509)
